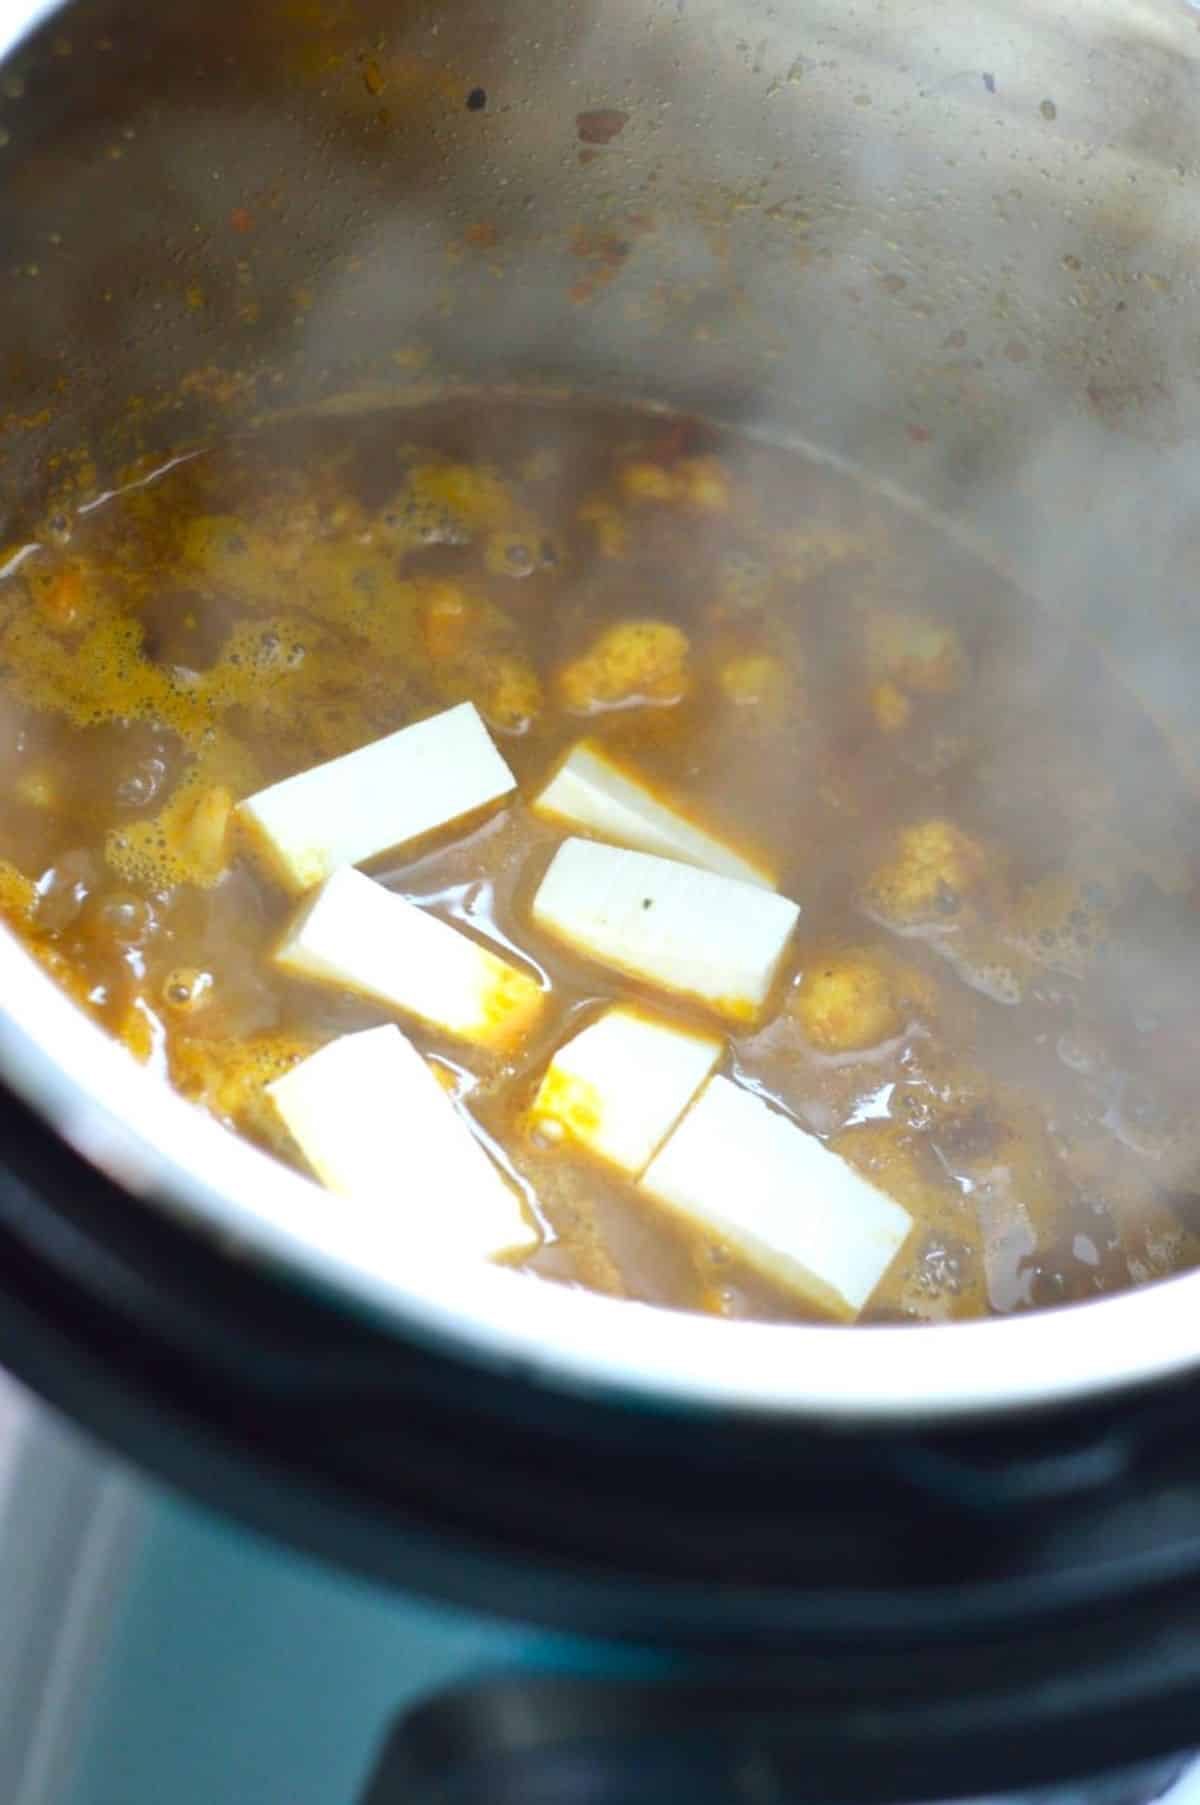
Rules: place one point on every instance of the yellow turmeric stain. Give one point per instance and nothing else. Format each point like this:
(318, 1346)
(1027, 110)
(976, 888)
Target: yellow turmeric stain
(734, 1009)
(228, 1078)
(510, 1003)
(570, 1101)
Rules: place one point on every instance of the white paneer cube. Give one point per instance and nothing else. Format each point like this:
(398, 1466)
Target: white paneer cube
(619, 1087)
(367, 802)
(713, 939)
(372, 1121)
(356, 935)
(756, 1183)
(592, 791)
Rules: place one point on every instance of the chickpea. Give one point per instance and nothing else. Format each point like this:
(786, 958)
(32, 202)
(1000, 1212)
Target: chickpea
(846, 1003)
(510, 695)
(646, 481)
(37, 789)
(918, 653)
(934, 866)
(634, 661)
(753, 680)
(61, 599)
(890, 706)
(705, 484)
(445, 621)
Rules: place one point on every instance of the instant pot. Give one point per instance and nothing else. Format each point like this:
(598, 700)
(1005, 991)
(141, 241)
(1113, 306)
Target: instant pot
(285, 1528)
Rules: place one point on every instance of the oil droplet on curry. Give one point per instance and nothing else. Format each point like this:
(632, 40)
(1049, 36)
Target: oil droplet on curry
(990, 1007)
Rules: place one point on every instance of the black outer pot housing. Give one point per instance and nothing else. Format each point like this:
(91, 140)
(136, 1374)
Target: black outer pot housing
(906, 1615)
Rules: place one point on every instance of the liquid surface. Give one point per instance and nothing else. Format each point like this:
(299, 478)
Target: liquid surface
(990, 1004)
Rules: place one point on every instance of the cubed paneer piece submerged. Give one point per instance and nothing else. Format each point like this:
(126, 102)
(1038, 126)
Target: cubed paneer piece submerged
(368, 802)
(593, 791)
(756, 1183)
(355, 935)
(619, 1087)
(373, 1123)
(712, 939)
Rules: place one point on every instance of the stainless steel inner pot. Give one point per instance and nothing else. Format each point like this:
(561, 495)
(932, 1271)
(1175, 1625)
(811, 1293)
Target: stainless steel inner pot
(953, 245)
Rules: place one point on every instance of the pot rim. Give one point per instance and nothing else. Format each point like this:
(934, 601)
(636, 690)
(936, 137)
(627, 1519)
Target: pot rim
(18, 18)
(129, 1124)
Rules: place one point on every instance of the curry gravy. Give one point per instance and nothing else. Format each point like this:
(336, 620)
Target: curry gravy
(991, 1003)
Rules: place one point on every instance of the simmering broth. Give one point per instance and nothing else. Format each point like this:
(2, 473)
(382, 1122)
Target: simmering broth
(988, 1005)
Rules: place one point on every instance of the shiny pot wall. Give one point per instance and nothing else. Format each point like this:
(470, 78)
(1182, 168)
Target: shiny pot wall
(953, 245)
